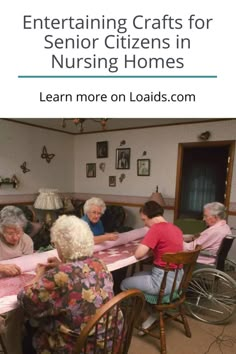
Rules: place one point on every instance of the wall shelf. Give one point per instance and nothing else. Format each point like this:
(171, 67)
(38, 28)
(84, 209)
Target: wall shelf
(13, 181)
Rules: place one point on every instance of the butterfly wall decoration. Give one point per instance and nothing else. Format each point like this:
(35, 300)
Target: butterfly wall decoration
(24, 168)
(46, 155)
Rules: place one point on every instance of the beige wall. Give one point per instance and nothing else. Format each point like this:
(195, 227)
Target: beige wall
(19, 143)
(161, 145)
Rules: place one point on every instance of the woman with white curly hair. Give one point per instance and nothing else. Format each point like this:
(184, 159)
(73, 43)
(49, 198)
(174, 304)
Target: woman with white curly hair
(94, 208)
(65, 293)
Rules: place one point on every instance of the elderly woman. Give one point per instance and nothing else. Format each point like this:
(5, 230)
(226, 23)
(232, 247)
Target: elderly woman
(66, 294)
(93, 210)
(211, 238)
(13, 241)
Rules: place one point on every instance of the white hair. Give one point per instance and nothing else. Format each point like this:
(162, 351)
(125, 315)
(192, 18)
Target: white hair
(94, 201)
(73, 236)
(216, 209)
(12, 216)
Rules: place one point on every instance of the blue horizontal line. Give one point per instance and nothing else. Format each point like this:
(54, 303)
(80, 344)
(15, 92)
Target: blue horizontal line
(117, 77)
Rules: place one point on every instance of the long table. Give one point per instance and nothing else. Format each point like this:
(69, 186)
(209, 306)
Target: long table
(116, 257)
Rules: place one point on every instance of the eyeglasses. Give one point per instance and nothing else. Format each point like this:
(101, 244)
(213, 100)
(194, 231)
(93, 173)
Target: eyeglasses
(97, 213)
(12, 233)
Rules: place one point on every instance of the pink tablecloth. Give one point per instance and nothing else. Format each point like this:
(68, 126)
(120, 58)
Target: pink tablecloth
(29, 262)
(124, 238)
(115, 254)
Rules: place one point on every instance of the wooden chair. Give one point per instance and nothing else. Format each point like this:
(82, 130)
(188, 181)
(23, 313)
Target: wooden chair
(110, 329)
(173, 302)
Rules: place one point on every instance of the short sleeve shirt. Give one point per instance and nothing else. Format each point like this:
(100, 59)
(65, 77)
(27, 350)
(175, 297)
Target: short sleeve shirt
(161, 238)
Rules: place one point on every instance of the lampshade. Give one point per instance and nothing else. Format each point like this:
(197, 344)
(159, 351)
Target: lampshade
(157, 197)
(48, 199)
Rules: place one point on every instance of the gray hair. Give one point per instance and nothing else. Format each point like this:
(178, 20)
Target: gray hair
(73, 236)
(94, 201)
(216, 209)
(12, 216)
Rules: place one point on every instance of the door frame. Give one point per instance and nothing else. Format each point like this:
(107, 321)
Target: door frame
(182, 146)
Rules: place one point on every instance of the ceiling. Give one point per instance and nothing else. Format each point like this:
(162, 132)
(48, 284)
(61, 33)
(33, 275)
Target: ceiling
(94, 125)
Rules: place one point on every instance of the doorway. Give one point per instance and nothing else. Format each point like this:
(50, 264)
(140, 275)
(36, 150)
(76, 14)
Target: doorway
(204, 174)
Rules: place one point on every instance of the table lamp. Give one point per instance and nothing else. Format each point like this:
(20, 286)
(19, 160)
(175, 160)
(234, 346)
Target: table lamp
(48, 200)
(157, 197)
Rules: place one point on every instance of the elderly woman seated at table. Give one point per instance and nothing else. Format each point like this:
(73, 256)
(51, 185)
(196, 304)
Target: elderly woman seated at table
(93, 210)
(13, 241)
(210, 239)
(66, 293)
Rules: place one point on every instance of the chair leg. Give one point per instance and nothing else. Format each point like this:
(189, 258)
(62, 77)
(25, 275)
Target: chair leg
(185, 321)
(2, 344)
(162, 333)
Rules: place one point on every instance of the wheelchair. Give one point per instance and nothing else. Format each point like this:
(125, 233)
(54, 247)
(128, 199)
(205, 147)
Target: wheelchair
(211, 295)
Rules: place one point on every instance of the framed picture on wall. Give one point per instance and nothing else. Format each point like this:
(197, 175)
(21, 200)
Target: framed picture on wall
(90, 170)
(123, 159)
(102, 149)
(112, 181)
(143, 167)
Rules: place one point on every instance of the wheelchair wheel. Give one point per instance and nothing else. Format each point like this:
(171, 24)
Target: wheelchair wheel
(211, 296)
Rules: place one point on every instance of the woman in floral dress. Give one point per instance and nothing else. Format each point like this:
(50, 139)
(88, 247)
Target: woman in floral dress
(65, 294)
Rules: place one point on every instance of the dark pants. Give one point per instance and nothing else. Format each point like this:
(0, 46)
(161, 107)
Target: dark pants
(27, 346)
(118, 276)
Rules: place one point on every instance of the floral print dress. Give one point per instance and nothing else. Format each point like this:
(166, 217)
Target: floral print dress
(67, 296)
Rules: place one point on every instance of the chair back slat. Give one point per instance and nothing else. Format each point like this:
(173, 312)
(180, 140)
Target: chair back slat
(185, 260)
(110, 329)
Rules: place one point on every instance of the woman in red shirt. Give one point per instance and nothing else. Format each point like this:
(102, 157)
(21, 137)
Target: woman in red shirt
(161, 237)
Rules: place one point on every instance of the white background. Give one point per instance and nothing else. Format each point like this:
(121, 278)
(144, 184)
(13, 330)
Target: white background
(212, 53)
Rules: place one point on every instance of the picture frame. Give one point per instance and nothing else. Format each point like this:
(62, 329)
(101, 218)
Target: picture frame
(90, 170)
(123, 159)
(112, 181)
(143, 167)
(102, 149)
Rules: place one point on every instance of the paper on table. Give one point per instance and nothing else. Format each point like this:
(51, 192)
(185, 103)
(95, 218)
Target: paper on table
(123, 238)
(8, 303)
(29, 262)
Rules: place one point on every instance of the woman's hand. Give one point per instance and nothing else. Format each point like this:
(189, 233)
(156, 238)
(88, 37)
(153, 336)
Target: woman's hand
(112, 236)
(10, 270)
(40, 270)
(52, 262)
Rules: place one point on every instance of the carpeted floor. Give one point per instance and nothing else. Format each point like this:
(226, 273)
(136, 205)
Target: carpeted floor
(206, 339)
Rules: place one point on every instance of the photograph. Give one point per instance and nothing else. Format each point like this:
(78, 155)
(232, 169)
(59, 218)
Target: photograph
(102, 149)
(112, 181)
(143, 167)
(123, 159)
(90, 170)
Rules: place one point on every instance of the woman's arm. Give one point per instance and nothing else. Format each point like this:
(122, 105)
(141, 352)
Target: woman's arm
(10, 270)
(39, 296)
(105, 237)
(141, 251)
